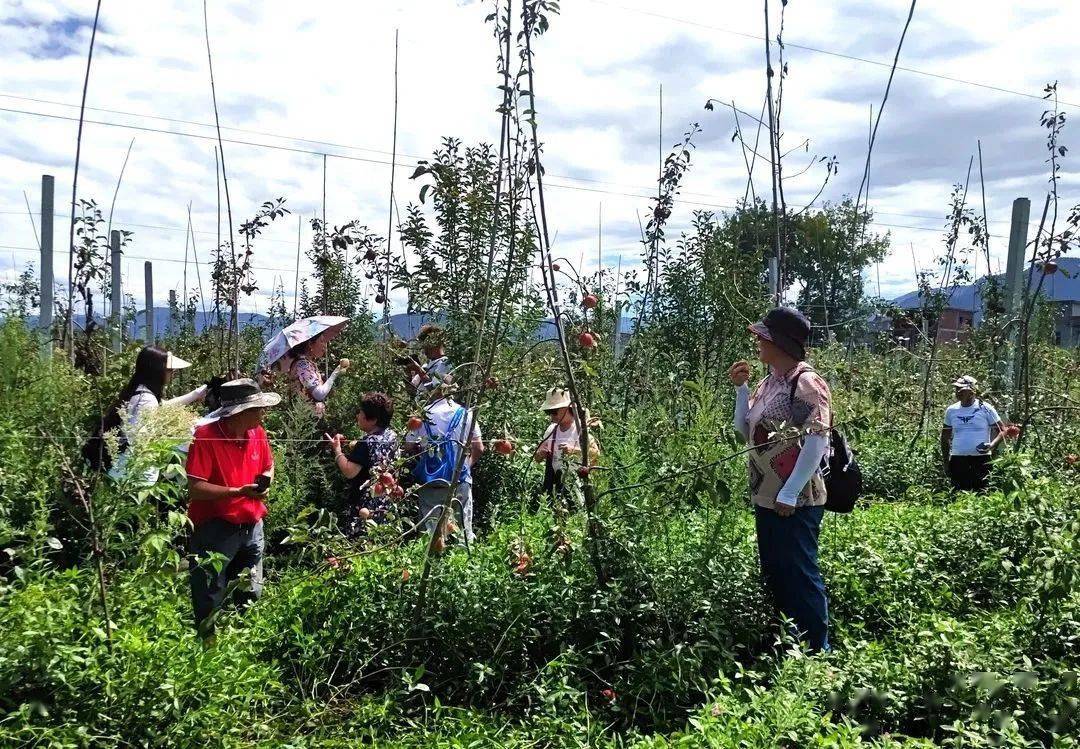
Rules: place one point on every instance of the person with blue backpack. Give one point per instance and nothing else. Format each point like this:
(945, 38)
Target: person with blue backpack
(446, 429)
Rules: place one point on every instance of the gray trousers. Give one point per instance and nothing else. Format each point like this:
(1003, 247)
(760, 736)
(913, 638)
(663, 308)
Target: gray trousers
(241, 547)
(432, 498)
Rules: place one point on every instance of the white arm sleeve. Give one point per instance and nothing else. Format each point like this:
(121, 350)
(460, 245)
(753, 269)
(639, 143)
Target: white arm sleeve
(320, 392)
(813, 450)
(742, 409)
(188, 398)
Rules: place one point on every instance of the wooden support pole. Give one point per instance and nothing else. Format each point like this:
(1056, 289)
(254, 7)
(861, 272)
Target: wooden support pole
(45, 317)
(149, 277)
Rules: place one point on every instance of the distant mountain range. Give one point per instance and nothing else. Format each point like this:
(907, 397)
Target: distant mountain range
(405, 325)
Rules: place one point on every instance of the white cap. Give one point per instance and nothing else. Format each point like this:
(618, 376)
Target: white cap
(967, 382)
(172, 361)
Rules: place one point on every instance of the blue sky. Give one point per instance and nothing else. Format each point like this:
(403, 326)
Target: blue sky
(322, 71)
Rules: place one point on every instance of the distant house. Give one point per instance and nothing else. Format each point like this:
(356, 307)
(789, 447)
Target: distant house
(963, 307)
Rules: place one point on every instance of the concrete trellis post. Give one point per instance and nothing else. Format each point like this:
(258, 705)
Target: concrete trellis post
(1014, 270)
(149, 273)
(45, 318)
(1014, 273)
(173, 312)
(116, 304)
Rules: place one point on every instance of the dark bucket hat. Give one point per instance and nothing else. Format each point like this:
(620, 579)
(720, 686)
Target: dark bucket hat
(787, 328)
(240, 395)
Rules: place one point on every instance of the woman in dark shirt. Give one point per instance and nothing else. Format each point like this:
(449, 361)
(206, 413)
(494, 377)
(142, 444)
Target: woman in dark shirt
(366, 460)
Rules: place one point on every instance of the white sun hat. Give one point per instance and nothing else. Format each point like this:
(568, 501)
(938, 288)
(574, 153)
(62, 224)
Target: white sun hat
(172, 361)
(556, 398)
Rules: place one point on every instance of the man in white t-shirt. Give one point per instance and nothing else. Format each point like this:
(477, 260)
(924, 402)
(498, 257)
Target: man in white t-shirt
(971, 431)
(445, 418)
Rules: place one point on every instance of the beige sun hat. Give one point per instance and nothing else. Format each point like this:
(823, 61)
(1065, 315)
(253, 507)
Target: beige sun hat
(172, 361)
(556, 398)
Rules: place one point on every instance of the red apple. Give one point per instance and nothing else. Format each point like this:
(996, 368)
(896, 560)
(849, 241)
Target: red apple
(387, 479)
(589, 301)
(608, 694)
(379, 490)
(1072, 459)
(491, 383)
(1012, 431)
(1050, 267)
(555, 267)
(363, 513)
(405, 576)
(415, 423)
(587, 340)
(584, 471)
(504, 447)
(396, 491)
(522, 565)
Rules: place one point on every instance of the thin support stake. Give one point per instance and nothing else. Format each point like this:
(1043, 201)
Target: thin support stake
(70, 323)
(390, 209)
(296, 281)
(198, 273)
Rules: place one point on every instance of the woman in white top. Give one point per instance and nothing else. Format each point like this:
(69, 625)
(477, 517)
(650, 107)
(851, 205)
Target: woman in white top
(154, 369)
(561, 442)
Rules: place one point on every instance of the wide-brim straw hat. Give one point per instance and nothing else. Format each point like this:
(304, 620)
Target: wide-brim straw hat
(556, 398)
(240, 395)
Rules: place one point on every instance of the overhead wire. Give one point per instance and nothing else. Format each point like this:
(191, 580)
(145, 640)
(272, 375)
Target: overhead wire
(253, 144)
(830, 53)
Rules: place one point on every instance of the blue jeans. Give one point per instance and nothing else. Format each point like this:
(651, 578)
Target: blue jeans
(242, 546)
(788, 548)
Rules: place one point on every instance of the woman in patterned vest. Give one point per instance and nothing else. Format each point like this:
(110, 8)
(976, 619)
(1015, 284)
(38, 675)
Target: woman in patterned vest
(786, 420)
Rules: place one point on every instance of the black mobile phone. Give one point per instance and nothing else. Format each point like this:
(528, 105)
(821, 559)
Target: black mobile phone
(262, 481)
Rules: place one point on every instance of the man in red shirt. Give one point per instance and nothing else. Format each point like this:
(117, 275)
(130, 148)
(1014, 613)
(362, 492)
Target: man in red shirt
(229, 468)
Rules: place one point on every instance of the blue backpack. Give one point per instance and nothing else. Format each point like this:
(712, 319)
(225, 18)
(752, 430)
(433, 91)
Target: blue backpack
(436, 463)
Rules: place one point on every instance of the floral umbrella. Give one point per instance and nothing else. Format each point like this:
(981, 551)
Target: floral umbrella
(302, 330)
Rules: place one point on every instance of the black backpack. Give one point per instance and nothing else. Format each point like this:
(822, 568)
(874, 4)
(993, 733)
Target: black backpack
(843, 477)
(95, 452)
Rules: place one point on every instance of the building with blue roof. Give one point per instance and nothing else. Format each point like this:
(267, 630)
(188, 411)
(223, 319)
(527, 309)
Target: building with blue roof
(963, 308)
